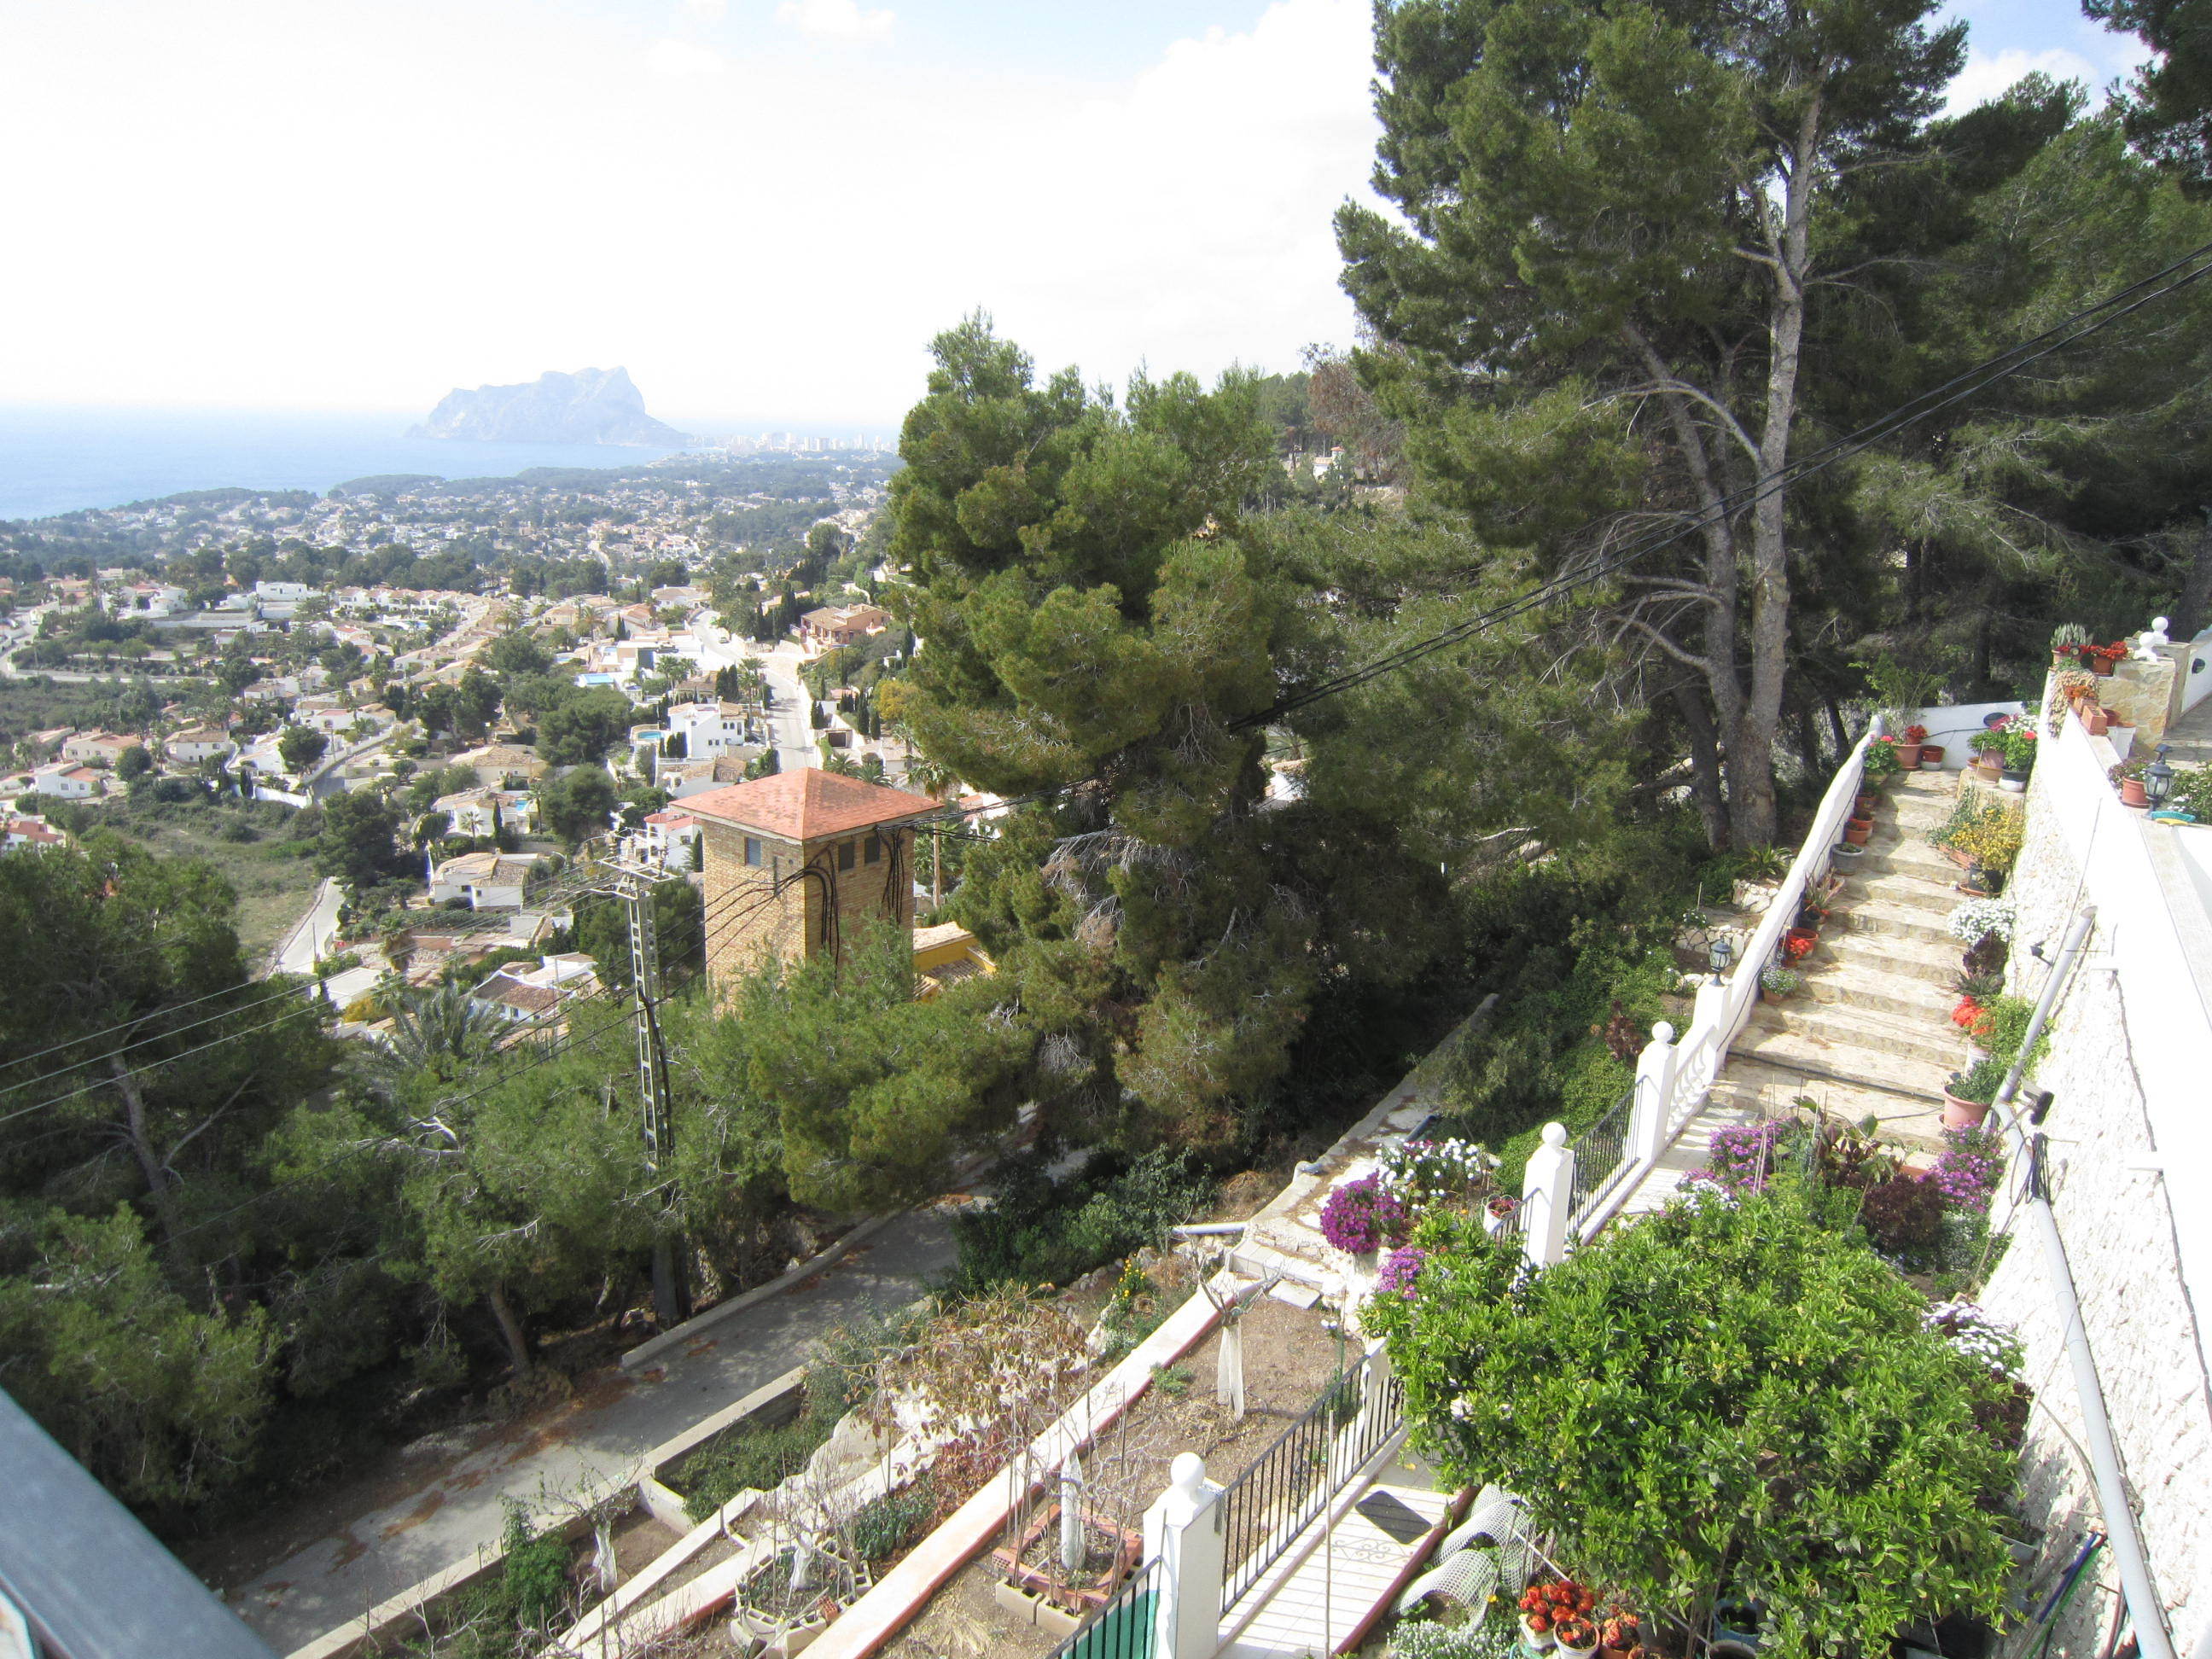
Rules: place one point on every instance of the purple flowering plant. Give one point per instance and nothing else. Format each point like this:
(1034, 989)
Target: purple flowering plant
(1968, 1171)
(1740, 1160)
(1401, 1272)
(1362, 1216)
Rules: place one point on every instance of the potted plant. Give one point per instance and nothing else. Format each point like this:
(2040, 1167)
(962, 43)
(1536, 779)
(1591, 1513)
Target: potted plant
(1908, 748)
(1862, 805)
(1553, 1613)
(1855, 831)
(1780, 982)
(2102, 658)
(1618, 1635)
(1931, 756)
(1880, 760)
(2068, 641)
(2127, 775)
(1968, 1095)
(1989, 748)
(2019, 751)
(1498, 1211)
(1577, 1636)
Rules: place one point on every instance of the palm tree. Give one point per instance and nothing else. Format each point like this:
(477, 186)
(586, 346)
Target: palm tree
(440, 1029)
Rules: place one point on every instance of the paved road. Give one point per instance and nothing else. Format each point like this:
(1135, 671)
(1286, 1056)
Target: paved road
(456, 1507)
(795, 744)
(303, 946)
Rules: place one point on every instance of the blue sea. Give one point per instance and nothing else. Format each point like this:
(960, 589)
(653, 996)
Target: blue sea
(57, 458)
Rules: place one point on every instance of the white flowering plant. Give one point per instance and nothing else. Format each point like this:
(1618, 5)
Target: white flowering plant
(1972, 1332)
(1977, 918)
(1424, 1174)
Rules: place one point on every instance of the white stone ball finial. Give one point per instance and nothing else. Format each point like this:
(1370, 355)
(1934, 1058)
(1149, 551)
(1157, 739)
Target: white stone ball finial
(2150, 639)
(1662, 1032)
(1555, 1134)
(1187, 1473)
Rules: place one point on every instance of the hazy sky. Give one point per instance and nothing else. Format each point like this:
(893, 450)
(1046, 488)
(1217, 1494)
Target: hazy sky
(764, 207)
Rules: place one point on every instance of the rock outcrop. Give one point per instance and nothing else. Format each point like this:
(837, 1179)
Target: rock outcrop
(592, 406)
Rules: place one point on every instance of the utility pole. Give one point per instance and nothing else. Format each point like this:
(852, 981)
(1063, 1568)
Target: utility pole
(672, 1300)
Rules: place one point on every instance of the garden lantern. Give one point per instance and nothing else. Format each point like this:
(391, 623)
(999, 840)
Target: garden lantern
(2157, 780)
(1720, 952)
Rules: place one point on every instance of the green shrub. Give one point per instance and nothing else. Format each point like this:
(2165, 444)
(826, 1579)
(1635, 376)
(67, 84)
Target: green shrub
(1042, 1230)
(535, 1574)
(884, 1526)
(752, 1458)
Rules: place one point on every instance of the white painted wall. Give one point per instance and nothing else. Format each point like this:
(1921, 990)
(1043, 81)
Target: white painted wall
(2132, 1042)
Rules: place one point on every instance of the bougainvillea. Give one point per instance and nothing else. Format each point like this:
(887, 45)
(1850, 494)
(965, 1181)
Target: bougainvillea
(1360, 1216)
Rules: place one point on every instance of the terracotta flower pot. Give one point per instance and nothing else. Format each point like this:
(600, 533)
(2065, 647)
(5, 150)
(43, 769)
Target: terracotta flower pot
(2132, 793)
(1931, 755)
(1963, 1114)
(2101, 668)
(1908, 756)
(2093, 719)
(1857, 832)
(1865, 805)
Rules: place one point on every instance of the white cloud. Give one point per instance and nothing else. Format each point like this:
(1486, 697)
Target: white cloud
(683, 59)
(836, 20)
(707, 11)
(1988, 74)
(761, 261)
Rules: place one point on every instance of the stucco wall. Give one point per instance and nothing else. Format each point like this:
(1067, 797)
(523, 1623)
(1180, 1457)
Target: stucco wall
(2111, 1069)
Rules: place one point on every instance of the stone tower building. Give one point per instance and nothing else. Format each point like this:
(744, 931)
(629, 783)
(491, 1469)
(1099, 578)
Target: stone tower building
(795, 860)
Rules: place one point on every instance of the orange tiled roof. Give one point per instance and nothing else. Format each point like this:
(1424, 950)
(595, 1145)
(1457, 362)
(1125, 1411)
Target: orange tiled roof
(807, 805)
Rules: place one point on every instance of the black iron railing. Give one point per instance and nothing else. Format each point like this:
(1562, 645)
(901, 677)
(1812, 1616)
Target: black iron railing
(1123, 1628)
(1599, 1151)
(1292, 1482)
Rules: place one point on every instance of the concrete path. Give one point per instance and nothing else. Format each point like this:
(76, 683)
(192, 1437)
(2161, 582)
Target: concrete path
(303, 946)
(598, 1436)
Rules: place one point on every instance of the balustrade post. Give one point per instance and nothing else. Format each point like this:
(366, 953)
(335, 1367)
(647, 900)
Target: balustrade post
(1182, 1532)
(1654, 1087)
(1546, 1193)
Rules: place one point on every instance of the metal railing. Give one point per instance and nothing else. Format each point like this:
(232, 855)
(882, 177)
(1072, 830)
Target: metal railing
(1600, 1156)
(1124, 1628)
(1265, 1507)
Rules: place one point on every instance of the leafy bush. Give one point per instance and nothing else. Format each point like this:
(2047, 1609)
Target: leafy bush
(1904, 1216)
(535, 1574)
(1041, 1229)
(754, 1458)
(1685, 1368)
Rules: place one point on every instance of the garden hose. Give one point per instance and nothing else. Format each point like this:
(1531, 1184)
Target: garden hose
(2056, 1602)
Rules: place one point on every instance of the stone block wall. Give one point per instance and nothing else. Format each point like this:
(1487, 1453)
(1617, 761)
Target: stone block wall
(2115, 1211)
(747, 921)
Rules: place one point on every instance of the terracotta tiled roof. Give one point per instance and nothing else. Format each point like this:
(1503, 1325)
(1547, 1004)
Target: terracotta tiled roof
(807, 805)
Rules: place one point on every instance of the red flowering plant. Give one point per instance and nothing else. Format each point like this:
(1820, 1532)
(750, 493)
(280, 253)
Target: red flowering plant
(1562, 1609)
(1966, 1014)
(1797, 947)
(2112, 652)
(1915, 734)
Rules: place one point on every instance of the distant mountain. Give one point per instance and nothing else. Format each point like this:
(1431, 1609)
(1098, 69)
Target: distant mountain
(592, 406)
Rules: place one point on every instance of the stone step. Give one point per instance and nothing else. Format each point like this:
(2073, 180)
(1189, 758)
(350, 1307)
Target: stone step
(1898, 996)
(1900, 855)
(1750, 1088)
(1935, 961)
(1840, 1062)
(1843, 1025)
(1908, 891)
(1891, 920)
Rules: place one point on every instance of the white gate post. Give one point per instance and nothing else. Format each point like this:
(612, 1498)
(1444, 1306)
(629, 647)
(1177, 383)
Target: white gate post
(1654, 1087)
(1182, 1532)
(1546, 1190)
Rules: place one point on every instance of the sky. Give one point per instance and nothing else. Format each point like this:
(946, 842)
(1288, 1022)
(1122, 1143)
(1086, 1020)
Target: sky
(763, 208)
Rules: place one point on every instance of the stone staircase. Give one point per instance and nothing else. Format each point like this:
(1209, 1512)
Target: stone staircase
(1870, 1036)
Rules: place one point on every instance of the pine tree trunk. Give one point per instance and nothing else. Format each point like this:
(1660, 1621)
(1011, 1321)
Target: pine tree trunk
(1751, 745)
(1705, 766)
(160, 1188)
(510, 1329)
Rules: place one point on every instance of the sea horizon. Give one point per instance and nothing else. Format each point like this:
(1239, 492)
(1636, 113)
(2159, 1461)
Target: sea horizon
(68, 457)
